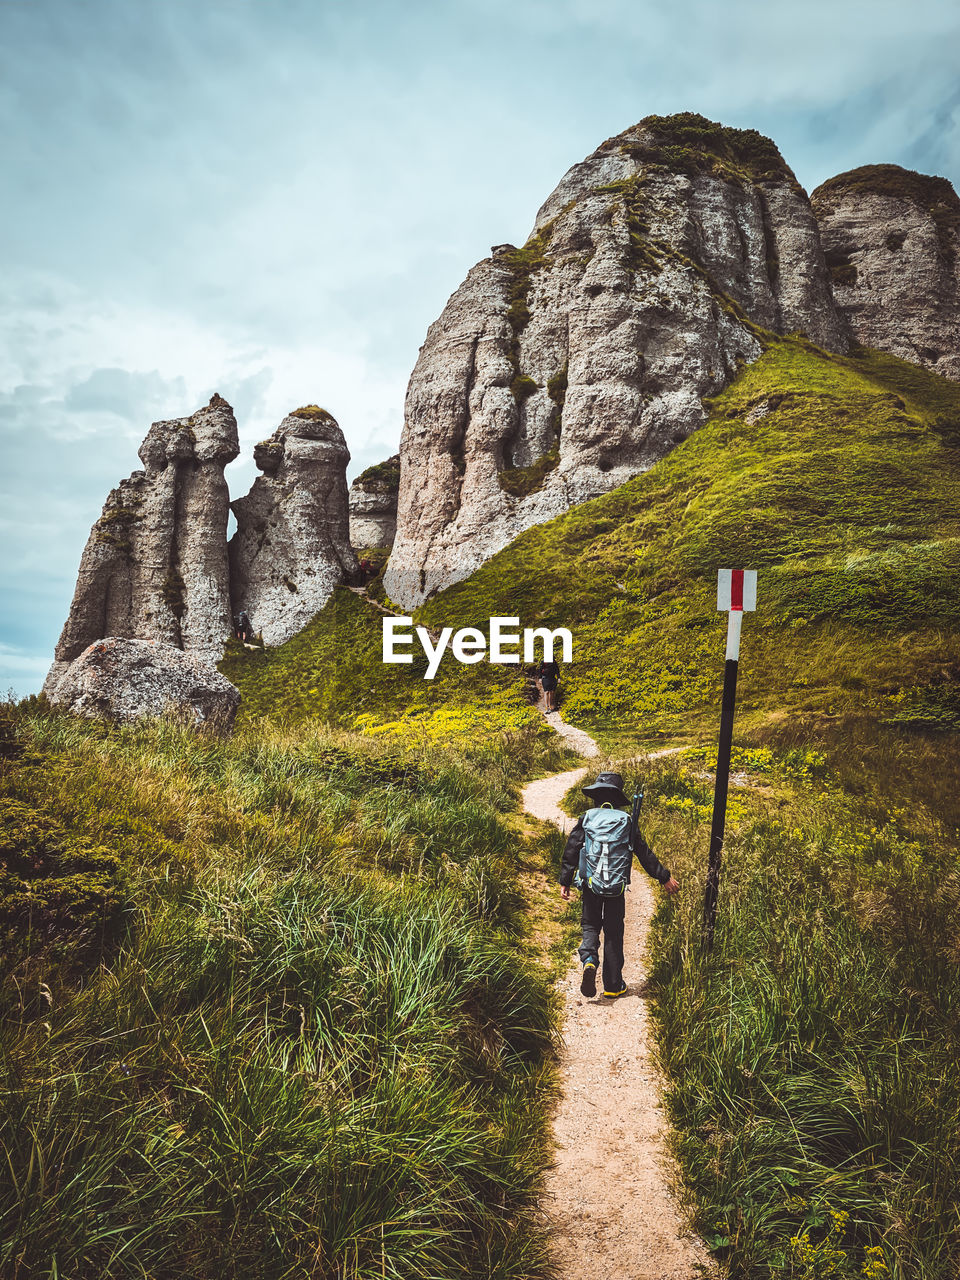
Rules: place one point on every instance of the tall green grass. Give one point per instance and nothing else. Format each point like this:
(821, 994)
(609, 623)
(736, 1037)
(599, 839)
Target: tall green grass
(310, 1046)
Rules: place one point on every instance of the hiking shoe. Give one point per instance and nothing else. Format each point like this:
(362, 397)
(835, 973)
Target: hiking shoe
(612, 995)
(588, 983)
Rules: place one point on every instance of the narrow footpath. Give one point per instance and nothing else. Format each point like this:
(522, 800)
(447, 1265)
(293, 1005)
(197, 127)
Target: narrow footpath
(609, 1197)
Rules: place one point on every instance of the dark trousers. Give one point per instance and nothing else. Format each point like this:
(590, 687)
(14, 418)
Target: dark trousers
(604, 914)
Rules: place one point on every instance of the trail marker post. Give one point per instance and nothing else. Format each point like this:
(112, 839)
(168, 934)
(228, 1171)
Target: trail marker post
(737, 594)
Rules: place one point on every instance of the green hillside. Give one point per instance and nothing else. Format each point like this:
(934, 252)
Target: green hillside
(333, 670)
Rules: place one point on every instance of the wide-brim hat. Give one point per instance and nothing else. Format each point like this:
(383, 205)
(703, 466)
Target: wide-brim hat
(608, 787)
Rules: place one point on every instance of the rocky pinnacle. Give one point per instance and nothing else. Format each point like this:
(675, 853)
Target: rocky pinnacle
(560, 369)
(155, 564)
(292, 544)
(892, 243)
(373, 505)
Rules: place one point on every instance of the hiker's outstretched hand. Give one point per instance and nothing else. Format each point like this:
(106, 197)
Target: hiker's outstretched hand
(565, 892)
(671, 886)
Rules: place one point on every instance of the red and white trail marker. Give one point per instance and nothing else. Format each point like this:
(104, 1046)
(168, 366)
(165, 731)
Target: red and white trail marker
(737, 589)
(736, 594)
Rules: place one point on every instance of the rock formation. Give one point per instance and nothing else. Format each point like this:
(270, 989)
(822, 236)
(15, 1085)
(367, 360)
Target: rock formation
(292, 544)
(373, 505)
(155, 564)
(892, 243)
(122, 680)
(559, 370)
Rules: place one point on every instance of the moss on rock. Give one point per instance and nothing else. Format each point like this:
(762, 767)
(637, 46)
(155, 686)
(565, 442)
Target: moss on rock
(313, 412)
(642, 254)
(382, 477)
(690, 143)
(521, 265)
(521, 481)
(172, 592)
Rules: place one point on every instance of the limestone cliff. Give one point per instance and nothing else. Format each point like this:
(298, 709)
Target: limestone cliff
(155, 564)
(292, 544)
(892, 242)
(373, 505)
(560, 369)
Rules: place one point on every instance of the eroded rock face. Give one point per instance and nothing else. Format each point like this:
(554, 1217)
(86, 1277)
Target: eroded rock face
(373, 505)
(292, 545)
(155, 564)
(892, 242)
(559, 370)
(122, 680)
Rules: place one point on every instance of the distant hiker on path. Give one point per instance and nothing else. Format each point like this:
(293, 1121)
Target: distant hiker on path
(597, 860)
(548, 677)
(242, 626)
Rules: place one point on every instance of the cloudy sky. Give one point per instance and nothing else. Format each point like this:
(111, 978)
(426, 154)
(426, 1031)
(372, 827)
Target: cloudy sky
(274, 198)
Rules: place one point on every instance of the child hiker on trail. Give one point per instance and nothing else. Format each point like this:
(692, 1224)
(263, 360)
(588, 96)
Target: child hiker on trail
(597, 860)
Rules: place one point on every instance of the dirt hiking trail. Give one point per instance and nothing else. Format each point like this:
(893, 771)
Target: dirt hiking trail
(608, 1199)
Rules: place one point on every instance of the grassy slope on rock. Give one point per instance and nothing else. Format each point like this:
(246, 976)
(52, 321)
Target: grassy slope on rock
(266, 1010)
(333, 670)
(844, 495)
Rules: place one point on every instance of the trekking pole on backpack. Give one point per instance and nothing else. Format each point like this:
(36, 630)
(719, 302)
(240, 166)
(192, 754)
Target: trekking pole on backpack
(635, 815)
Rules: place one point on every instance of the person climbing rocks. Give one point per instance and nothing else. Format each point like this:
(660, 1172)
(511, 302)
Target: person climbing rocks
(548, 677)
(242, 626)
(597, 860)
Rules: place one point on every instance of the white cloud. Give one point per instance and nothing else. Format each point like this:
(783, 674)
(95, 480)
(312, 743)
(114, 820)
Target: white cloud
(81, 380)
(21, 673)
(14, 660)
(109, 370)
